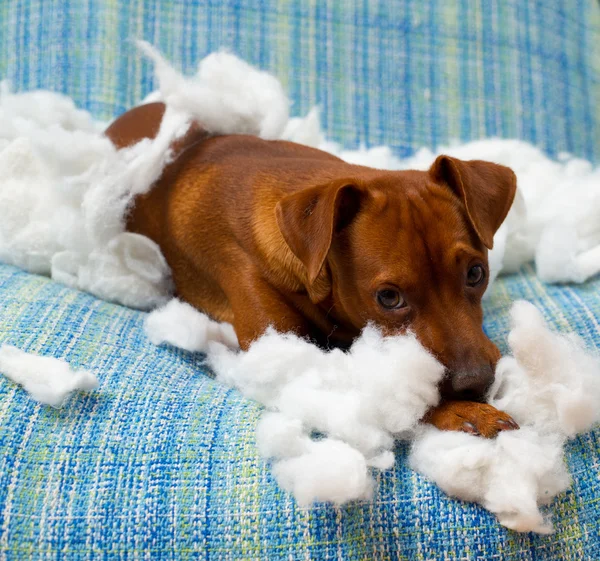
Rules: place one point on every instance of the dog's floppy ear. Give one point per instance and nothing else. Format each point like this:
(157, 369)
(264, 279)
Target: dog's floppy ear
(487, 190)
(309, 218)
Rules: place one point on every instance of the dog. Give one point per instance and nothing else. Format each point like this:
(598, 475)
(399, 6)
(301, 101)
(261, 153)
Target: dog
(271, 233)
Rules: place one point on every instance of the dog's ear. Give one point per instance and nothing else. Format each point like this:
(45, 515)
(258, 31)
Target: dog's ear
(487, 190)
(308, 220)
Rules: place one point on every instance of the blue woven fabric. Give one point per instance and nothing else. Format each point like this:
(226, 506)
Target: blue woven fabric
(160, 461)
(407, 73)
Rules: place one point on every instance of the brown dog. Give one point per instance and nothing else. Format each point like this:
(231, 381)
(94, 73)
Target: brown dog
(261, 233)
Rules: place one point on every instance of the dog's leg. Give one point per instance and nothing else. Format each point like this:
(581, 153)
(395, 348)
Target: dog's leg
(256, 305)
(479, 419)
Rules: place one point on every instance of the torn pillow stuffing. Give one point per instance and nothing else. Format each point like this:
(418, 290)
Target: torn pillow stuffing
(362, 401)
(48, 380)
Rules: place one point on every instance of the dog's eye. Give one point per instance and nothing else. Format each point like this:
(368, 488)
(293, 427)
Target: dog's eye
(390, 299)
(476, 275)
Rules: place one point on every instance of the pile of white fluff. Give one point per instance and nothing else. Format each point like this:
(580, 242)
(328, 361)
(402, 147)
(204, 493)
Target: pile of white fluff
(551, 387)
(64, 192)
(361, 401)
(64, 189)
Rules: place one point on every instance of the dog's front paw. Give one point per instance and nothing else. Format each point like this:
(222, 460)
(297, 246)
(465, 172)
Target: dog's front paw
(479, 419)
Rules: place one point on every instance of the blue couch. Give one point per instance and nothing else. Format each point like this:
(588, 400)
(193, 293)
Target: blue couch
(160, 461)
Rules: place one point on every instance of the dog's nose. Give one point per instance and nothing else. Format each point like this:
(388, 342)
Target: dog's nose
(473, 384)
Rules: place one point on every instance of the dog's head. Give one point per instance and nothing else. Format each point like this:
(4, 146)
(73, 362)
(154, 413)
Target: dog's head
(407, 250)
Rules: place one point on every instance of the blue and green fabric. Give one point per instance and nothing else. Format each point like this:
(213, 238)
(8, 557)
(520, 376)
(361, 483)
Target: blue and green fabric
(160, 462)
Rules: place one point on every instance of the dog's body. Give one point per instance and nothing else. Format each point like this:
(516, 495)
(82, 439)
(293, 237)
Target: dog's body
(261, 233)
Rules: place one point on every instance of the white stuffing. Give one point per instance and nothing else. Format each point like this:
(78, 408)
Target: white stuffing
(68, 222)
(551, 387)
(48, 380)
(551, 381)
(279, 436)
(65, 190)
(361, 401)
(329, 470)
(130, 270)
(361, 397)
(64, 194)
(510, 475)
(227, 95)
(358, 399)
(179, 324)
(313, 470)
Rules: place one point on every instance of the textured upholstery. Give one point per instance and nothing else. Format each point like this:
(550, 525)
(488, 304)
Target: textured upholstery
(407, 73)
(160, 461)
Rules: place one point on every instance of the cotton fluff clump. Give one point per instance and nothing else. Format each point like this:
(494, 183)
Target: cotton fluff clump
(179, 324)
(228, 96)
(68, 223)
(22, 112)
(380, 388)
(510, 476)
(313, 470)
(551, 381)
(65, 190)
(360, 400)
(551, 387)
(48, 380)
(327, 471)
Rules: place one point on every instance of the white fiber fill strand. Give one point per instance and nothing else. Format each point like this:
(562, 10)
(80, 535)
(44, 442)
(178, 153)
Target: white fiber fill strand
(48, 380)
(179, 324)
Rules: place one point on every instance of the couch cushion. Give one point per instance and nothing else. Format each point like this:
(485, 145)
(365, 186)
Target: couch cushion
(160, 461)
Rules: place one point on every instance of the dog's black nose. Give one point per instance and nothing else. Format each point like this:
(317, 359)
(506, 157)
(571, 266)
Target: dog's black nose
(472, 385)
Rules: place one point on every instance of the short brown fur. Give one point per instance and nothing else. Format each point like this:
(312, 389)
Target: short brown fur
(261, 233)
